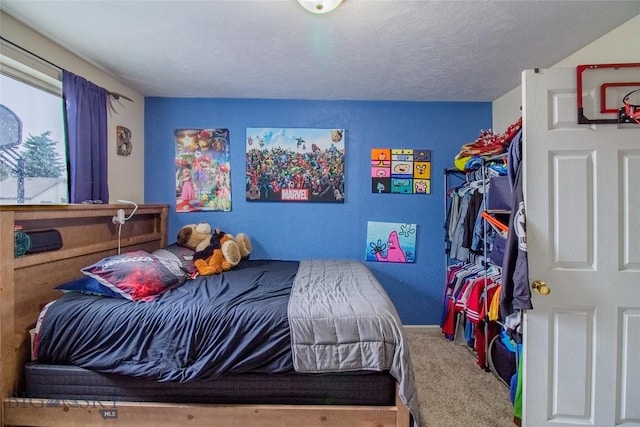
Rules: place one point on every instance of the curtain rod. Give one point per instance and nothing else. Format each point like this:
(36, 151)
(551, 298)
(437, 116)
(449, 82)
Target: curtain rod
(115, 95)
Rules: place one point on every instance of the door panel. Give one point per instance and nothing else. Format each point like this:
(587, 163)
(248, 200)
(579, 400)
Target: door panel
(572, 370)
(572, 192)
(582, 195)
(629, 401)
(629, 208)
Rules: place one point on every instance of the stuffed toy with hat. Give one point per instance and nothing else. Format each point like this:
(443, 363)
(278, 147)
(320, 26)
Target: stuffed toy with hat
(215, 251)
(194, 236)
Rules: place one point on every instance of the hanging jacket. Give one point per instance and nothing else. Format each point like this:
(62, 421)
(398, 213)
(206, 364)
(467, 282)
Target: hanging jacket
(516, 293)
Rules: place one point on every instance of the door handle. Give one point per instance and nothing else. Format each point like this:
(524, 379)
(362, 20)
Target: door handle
(539, 287)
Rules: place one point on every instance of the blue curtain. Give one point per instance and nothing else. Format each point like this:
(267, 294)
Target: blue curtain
(86, 124)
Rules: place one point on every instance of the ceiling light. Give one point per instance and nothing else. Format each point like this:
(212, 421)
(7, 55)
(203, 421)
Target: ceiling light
(319, 6)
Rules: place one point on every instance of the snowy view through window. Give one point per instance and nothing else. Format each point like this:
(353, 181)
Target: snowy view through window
(33, 162)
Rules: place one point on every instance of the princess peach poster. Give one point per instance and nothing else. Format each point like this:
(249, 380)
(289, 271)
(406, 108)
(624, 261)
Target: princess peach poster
(203, 170)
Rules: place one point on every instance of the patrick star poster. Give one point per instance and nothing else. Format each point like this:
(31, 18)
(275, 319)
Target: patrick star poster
(391, 242)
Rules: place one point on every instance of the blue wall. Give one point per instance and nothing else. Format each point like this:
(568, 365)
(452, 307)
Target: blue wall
(296, 231)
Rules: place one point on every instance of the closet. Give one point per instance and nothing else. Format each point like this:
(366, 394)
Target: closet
(477, 209)
(474, 232)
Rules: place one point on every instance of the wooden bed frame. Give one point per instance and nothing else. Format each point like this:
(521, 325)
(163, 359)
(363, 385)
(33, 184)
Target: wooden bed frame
(88, 235)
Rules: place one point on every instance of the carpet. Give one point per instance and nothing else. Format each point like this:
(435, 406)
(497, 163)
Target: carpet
(453, 390)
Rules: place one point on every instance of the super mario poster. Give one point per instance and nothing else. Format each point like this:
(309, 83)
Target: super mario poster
(400, 171)
(391, 242)
(295, 165)
(203, 170)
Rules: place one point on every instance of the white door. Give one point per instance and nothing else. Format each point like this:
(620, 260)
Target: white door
(582, 197)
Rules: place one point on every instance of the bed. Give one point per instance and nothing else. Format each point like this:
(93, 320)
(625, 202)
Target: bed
(326, 349)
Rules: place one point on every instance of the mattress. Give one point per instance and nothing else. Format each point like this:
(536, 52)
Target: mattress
(350, 388)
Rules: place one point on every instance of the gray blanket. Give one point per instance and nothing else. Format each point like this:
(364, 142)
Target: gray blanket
(341, 319)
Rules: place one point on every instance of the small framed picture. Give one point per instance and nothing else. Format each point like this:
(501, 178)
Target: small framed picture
(124, 141)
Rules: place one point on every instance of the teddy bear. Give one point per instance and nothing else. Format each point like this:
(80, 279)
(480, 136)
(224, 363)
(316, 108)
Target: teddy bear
(192, 235)
(216, 251)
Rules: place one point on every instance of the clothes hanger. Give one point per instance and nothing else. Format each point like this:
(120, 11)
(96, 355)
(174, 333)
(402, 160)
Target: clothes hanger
(501, 228)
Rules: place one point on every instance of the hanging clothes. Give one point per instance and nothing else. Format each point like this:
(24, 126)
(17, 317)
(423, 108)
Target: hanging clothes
(470, 289)
(462, 217)
(473, 211)
(516, 293)
(457, 251)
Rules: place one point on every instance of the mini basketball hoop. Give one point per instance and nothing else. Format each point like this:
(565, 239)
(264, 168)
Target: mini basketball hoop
(600, 89)
(10, 128)
(630, 113)
(10, 139)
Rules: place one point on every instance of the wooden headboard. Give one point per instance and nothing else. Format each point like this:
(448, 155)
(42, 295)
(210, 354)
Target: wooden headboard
(27, 282)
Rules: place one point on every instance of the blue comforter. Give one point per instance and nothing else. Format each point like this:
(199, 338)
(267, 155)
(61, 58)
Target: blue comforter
(235, 322)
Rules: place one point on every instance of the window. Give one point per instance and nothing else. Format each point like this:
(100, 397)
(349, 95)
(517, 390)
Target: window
(33, 160)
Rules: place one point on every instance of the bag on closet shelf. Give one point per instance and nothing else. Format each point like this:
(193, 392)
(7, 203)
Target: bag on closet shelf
(499, 195)
(497, 250)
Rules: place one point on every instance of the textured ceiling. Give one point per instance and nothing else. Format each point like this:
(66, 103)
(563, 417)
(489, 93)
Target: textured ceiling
(364, 50)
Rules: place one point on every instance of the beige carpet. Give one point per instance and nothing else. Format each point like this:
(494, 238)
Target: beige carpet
(453, 390)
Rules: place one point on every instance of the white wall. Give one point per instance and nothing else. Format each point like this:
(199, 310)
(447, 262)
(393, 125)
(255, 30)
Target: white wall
(621, 45)
(126, 173)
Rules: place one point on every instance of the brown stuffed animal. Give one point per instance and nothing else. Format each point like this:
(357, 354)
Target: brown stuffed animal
(222, 254)
(194, 236)
(215, 252)
(244, 244)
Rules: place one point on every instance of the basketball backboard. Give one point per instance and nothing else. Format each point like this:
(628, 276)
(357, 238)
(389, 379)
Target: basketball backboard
(601, 88)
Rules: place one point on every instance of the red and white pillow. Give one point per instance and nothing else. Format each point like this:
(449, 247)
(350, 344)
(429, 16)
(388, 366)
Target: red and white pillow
(136, 275)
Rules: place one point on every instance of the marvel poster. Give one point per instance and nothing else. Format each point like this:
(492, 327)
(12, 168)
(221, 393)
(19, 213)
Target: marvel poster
(295, 165)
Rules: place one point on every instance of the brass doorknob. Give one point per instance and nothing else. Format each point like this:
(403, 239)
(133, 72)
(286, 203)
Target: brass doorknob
(540, 287)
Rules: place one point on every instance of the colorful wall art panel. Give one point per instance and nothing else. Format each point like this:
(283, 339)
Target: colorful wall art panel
(203, 170)
(295, 165)
(400, 170)
(391, 242)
